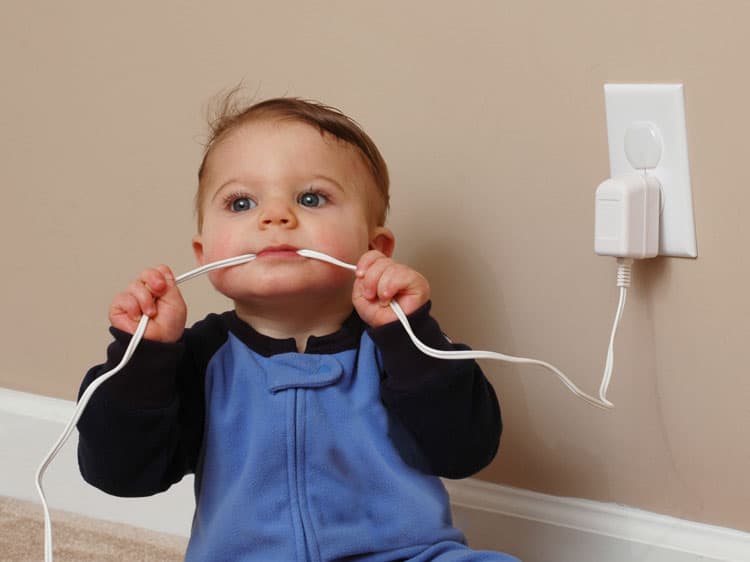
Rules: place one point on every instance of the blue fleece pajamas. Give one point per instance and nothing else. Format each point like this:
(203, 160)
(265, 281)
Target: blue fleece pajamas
(331, 454)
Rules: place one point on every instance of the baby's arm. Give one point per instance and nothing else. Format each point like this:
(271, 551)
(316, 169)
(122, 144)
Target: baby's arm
(132, 440)
(449, 406)
(155, 294)
(379, 280)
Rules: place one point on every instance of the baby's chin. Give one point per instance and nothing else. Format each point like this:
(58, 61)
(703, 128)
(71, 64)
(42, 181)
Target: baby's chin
(277, 289)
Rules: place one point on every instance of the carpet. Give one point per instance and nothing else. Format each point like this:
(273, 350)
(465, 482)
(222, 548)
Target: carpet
(79, 539)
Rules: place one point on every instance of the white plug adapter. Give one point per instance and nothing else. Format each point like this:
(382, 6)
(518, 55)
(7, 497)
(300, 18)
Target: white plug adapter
(626, 219)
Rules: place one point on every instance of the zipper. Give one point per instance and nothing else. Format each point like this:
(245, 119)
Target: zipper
(306, 545)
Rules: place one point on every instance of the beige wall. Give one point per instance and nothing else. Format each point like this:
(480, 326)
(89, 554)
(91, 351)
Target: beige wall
(491, 116)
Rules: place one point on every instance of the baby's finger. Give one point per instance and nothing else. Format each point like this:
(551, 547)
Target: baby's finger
(142, 293)
(156, 280)
(367, 259)
(371, 279)
(167, 274)
(124, 311)
(394, 279)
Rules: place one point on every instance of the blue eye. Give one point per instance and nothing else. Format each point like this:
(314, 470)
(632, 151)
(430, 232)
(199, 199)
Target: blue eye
(312, 199)
(240, 204)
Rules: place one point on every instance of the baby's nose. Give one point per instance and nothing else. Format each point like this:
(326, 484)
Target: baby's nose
(277, 213)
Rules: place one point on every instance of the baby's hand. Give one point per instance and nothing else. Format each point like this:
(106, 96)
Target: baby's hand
(155, 294)
(379, 280)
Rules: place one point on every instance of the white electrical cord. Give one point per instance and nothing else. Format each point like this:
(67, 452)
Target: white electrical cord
(623, 281)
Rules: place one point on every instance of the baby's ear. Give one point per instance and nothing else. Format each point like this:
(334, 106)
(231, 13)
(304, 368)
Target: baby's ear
(383, 240)
(198, 248)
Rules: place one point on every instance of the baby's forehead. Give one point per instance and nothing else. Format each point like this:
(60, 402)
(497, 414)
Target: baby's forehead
(292, 127)
(298, 141)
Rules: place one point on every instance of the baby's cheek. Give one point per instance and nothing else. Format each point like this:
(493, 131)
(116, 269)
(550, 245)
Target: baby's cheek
(348, 247)
(219, 247)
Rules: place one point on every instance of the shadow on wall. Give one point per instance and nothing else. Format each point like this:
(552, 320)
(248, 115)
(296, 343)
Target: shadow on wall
(652, 276)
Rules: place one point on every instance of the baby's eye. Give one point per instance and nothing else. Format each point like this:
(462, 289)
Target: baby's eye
(312, 199)
(240, 204)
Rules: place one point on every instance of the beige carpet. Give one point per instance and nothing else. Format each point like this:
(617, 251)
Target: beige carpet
(79, 539)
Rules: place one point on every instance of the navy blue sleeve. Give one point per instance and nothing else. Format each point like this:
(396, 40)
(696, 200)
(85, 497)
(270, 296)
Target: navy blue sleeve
(142, 429)
(449, 406)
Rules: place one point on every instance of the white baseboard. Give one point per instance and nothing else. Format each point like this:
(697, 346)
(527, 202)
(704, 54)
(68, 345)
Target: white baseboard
(543, 528)
(534, 527)
(29, 425)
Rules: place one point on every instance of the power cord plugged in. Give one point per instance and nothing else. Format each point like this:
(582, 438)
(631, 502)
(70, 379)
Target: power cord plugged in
(626, 227)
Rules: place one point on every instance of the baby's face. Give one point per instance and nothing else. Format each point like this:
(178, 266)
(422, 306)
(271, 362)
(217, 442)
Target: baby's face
(273, 187)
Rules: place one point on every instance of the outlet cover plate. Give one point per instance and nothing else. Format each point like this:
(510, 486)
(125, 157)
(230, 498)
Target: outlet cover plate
(663, 105)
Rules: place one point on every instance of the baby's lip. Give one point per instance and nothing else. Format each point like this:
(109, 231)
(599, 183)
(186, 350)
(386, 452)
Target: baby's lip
(282, 250)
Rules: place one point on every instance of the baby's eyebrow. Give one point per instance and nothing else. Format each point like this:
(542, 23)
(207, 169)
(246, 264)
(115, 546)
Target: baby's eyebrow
(329, 180)
(224, 185)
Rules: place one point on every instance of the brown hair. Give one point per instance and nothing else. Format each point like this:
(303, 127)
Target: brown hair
(229, 115)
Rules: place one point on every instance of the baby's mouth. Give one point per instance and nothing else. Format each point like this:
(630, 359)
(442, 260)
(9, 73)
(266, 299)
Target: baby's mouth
(278, 251)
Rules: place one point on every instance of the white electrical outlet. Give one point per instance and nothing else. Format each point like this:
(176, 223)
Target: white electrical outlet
(662, 106)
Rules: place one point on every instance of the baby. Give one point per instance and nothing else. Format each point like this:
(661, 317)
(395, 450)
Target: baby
(315, 429)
